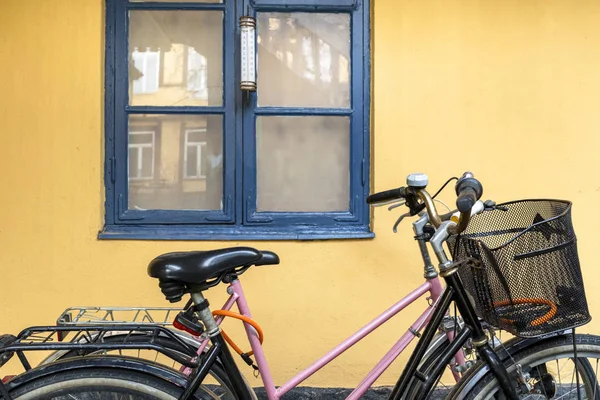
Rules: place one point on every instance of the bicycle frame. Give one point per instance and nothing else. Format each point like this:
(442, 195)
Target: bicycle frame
(431, 318)
(432, 286)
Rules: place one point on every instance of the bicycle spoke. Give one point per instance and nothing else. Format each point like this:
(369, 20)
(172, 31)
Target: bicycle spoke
(572, 376)
(558, 368)
(595, 381)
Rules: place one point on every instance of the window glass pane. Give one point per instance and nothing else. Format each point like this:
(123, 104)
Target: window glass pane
(191, 153)
(176, 58)
(141, 137)
(147, 170)
(141, 154)
(313, 3)
(133, 162)
(303, 163)
(306, 54)
(196, 135)
(167, 171)
(176, 1)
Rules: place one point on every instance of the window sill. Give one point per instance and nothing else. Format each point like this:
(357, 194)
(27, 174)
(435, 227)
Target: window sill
(224, 233)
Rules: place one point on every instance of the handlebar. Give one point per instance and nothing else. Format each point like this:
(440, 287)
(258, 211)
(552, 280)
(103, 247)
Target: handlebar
(466, 199)
(387, 195)
(468, 191)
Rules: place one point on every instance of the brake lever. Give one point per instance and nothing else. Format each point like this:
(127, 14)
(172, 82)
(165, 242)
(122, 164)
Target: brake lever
(399, 220)
(390, 208)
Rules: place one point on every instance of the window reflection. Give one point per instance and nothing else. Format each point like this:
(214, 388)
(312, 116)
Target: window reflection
(146, 68)
(175, 162)
(307, 54)
(197, 75)
(141, 154)
(194, 154)
(176, 58)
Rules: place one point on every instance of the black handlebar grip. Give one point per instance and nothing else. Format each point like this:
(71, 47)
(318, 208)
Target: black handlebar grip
(387, 195)
(469, 190)
(466, 199)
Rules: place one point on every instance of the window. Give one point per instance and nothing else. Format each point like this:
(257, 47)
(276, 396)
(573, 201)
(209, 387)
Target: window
(146, 66)
(141, 155)
(194, 154)
(191, 156)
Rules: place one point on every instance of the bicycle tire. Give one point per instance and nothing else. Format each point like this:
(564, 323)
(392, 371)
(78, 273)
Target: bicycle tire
(533, 360)
(97, 384)
(217, 373)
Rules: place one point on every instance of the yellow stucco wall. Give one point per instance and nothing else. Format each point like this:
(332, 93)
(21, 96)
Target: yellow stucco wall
(509, 89)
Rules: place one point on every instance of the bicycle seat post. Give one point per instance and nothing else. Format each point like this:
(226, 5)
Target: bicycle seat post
(203, 310)
(219, 349)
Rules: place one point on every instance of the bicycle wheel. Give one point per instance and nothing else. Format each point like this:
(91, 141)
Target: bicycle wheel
(152, 355)
(97, 384)
(215, 385)
(549, 370)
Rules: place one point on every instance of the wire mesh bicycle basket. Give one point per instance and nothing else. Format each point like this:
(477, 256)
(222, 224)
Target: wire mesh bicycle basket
(524, 275)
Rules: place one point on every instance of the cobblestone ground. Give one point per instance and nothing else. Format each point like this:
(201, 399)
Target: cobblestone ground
(564, 391)
(305, 393)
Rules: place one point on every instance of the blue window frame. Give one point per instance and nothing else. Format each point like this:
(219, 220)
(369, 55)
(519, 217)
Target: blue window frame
(274, 152)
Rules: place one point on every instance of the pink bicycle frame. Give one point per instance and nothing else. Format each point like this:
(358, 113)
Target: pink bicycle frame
(433, 286)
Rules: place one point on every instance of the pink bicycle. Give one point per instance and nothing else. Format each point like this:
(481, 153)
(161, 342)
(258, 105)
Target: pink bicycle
(520, 368)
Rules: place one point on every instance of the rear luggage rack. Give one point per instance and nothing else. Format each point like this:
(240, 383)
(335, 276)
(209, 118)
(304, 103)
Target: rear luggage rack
(79, 316)
(88, 338)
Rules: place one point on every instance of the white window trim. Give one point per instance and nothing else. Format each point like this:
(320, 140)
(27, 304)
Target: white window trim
(138, 148)
(198, 145)
(146, 79)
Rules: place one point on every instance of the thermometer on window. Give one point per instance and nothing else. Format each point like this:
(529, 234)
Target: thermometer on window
(248, 53)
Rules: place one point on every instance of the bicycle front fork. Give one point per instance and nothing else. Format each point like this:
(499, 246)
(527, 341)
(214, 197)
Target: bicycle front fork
(480, 339)
(471, 329)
